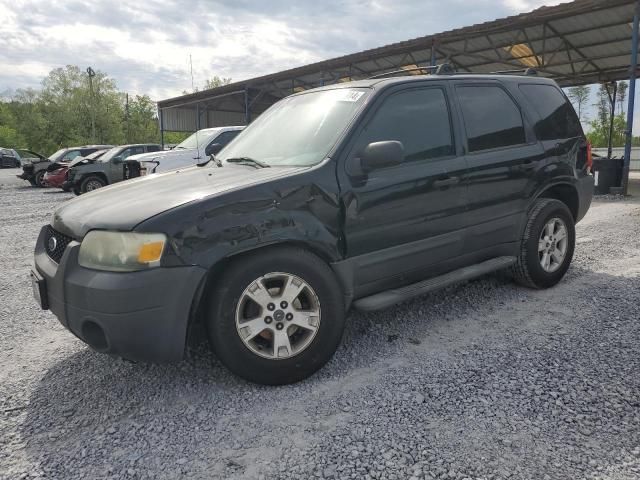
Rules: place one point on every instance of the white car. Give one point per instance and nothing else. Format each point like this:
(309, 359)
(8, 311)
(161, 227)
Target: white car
(195, 149)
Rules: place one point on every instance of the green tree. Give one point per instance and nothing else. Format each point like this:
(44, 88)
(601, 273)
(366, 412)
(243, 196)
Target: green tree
(579, 97)
(9, 136)
(140, 121)
(599, 133)
(215, 82)
(622, 95)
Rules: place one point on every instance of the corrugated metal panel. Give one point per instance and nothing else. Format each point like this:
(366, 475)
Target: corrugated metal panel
(179, 120)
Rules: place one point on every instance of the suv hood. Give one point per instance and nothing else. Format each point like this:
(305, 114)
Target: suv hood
(124, 205)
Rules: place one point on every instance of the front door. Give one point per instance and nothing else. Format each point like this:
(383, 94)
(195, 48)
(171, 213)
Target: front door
(403, 221)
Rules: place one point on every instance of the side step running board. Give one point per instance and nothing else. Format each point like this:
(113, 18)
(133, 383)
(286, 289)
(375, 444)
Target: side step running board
(390, 297)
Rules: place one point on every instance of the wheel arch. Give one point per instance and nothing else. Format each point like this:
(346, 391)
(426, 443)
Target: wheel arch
(216, 270)
(565, 192)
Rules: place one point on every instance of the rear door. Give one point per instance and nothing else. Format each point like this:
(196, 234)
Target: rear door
(403, 220)
(503, 157)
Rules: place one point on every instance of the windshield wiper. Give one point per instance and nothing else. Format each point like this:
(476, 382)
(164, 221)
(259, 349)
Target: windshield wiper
(248, 160)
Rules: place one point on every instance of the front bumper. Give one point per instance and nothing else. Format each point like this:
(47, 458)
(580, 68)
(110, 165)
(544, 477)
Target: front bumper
(138, 315)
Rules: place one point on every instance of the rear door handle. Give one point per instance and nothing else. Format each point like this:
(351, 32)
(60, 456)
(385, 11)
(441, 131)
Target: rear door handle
(446, 182)
(528, 165)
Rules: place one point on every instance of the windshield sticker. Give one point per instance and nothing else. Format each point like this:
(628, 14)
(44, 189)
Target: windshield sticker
(350, 96)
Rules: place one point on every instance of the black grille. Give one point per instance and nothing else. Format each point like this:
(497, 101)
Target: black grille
(55, 248)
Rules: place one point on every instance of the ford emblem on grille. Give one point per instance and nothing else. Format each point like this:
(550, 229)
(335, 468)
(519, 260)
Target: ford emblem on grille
(52, 244)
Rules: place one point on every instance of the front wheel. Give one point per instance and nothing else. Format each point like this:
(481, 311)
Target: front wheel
(38, 178)
(91, 183)
(276, 317)
(547, 245)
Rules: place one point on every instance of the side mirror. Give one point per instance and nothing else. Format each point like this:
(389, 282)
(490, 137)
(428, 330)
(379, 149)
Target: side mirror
(381, 154)
(212, 149)
(117, 159)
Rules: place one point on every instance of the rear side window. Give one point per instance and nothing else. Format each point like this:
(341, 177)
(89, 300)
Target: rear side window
(491, 118)
(153, 148)
(558, 119)
(417, 118)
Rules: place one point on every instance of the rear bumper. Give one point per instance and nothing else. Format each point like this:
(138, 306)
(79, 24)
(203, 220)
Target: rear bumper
(585, 195)
(139, 315)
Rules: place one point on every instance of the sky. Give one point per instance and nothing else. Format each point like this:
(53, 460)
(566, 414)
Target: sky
(145, 46)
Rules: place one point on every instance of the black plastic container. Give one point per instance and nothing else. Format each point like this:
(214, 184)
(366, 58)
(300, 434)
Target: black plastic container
(607, 173)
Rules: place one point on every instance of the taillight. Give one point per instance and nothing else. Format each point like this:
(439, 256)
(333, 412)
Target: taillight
(589, 158)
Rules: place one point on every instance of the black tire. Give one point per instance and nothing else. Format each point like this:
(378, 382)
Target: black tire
(528, 270)
(38, 178)
(32, 182)
(221, 324)
(66, 189)
(89, 183)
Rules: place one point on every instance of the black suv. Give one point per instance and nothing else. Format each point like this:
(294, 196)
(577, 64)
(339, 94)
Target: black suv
(355, 195)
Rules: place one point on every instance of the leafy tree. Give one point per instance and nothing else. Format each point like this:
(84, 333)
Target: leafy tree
(140, 123)
(9, 136)
(216, 81)
(622, 95)
(579, 97)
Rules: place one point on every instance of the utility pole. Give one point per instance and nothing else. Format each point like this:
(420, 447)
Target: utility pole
(126, 110)
(633, 73)
(92, 74)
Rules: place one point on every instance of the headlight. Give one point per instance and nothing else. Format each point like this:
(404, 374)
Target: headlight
(121, 251)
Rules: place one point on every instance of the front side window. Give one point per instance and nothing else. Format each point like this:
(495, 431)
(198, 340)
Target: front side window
(491, 118)
(558, 119)
(418, 118)
(299, 130)
(225, 137)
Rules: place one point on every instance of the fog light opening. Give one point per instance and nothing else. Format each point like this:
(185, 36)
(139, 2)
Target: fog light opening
(93, 334)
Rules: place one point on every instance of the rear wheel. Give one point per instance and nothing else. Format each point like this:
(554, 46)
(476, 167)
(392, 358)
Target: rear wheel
(91, 182)
(38, 178)
(547, 245)
(277, 317)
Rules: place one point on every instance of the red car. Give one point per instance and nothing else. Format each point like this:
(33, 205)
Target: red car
(57, 172)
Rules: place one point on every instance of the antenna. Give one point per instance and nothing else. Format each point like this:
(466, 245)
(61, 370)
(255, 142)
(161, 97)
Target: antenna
(191, 66)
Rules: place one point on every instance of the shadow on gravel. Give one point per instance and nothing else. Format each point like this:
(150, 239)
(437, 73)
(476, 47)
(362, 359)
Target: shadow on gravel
(101, 416)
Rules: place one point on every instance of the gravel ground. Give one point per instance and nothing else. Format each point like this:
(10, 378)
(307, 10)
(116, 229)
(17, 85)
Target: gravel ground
(484, 380)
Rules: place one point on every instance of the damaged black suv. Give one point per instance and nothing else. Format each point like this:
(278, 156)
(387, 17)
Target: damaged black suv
(358, 195)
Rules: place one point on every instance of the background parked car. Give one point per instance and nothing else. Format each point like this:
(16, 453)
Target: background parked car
(195, 149)
(12, 157)
(85, 175)
(56, 174)
(33, 171)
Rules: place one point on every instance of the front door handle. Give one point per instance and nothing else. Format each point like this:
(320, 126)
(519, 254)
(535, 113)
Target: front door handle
(446, 182)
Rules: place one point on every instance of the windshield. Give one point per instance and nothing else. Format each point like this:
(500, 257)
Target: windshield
(57, 155)
(110, 154)
(299, 130)
(198, 138)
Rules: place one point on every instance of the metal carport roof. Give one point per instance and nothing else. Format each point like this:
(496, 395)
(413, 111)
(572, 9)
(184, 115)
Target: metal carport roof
(581, 42)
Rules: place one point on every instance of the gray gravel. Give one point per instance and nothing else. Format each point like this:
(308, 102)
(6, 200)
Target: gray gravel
(485, 380)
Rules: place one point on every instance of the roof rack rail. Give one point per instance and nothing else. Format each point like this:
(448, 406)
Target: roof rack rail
(524, 71)
(442, 69)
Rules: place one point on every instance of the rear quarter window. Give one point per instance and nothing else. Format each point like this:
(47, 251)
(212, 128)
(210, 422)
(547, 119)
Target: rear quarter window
(558, 119)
